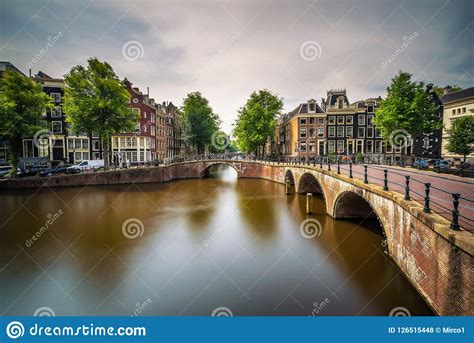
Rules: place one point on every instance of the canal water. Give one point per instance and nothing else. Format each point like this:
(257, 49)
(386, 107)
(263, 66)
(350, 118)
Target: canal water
(191, 247)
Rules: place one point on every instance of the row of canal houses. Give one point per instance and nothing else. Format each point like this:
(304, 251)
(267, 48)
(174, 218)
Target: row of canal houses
(338, 127)
(156, 137)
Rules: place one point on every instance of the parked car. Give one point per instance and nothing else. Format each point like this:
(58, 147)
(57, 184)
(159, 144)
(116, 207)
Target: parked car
(465, 169)
(85, 165)
(420, 164)
(53, 171)
(441, 164)
(34, 171)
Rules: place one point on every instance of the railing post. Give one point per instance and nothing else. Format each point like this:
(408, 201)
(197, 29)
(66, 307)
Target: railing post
(321, 163)
(407, 187)
(455, 222)
(350, 169)
(338, 167)
(426, 209)
(385, 180)
(329, 165)
(365, 174)
(314, 162)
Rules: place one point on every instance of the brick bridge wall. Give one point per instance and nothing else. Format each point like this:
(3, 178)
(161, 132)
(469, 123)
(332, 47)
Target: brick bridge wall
(437, 260)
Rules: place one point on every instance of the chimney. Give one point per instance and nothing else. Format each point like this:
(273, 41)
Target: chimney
(30, 71)
(447, 90)
(429, 87)
(148, 91)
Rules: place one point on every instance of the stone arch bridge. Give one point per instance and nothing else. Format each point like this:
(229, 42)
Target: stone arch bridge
(437, 260)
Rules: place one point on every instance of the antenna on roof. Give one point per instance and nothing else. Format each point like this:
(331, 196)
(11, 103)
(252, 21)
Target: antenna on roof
(30, 71)
(148, 91)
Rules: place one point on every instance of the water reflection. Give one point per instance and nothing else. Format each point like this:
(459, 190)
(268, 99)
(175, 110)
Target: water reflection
(206, 243)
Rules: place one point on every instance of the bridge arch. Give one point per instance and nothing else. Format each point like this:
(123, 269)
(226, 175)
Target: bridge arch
(350, 204)
(308, 183)
(209, 165)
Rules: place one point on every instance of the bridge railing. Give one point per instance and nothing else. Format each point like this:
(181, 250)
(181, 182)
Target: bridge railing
(450, 205)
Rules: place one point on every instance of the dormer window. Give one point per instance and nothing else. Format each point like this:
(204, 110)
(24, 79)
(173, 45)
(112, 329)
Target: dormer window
(340, 103)
(312, 106)
(370, 108)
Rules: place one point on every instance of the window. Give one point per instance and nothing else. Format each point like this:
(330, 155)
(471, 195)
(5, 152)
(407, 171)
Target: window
(303, 133)
(459, 111)
(311, 121)
(370, 108)
(136, 110)
(464, 110)
(312, 107)
(57, 126)
(370, 146)
(340, 147)
(303, 147)
(340, 103)
(377, 133)
(370, 120)
(311, 132)
(361, 132)
(340, 131)
(96, 145)
(350, 120)
(56, 112)
(331, 132)
(320, 132)
(56, 97)
(389, 149)
(331, 120)
(340, 120)
(349, 131)
(311, 147)
(302, 121)
(331, 147)
(454, 112)
(370, 132)
(320, 121)
(378, 147)
(361, 119)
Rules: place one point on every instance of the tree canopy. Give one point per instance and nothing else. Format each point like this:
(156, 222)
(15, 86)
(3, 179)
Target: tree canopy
(406, 109)
(199, 122)
(440, 90)
(461, 139)
(96, 100)
(22, 104)
(257, 121)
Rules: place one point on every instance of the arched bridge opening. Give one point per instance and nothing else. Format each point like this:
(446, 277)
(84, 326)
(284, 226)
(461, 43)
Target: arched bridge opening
(220, 168)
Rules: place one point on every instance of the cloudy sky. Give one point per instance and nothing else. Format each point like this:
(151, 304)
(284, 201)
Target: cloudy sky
(228, 48)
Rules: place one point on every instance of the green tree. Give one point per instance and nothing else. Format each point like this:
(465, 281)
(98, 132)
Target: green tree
(257, 121)
(22, 103)
(96, 100)
(199, 122)
(405, 111)
(461, 139)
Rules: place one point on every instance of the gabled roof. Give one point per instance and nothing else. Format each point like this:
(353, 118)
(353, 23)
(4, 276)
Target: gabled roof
(458, 96)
